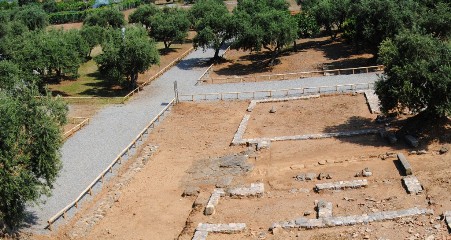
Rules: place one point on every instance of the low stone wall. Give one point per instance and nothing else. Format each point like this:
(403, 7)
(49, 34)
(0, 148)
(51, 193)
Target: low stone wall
(341, 185)
(351, 220)
(203, 229)
(213, 201)
(255, 190)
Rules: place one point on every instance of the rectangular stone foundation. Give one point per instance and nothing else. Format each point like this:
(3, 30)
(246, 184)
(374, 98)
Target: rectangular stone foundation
(341, 185)
(351, 220)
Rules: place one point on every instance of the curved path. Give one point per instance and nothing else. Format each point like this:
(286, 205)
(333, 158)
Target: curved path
(92, 149)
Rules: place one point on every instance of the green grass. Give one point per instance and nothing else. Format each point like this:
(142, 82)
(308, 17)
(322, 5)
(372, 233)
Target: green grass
(90, 83)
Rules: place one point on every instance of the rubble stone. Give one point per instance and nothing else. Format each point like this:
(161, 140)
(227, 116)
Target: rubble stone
(447, 216)
(221, 228)
(324, 209)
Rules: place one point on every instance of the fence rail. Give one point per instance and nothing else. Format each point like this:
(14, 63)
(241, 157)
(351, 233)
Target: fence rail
(279, 92)
(84, 122)
(287, 76)
(123, 99)
(100, 177)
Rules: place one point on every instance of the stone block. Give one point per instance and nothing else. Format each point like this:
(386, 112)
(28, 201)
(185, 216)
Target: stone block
(221, 228)
(324, 209)
(341, 185)
(412, 184)
(213, 201)
(255, 190)
(412, 141)
(405, 164)
(447, 216)
(264, 144)
(200, 235)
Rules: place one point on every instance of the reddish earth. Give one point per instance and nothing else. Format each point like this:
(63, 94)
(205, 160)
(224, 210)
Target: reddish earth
(150, 206)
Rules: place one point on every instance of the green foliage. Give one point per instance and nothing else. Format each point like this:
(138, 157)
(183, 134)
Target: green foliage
(331, 14)
(93, 35)
(170, 25)
(269, 27)
(125, 56)
(107, 17)
(417, 74)
(307, 26)
(143, 14)
(30, 139)
(33, 17)
(375, 20)
(436, 20)
(213, 23)
(53, 53)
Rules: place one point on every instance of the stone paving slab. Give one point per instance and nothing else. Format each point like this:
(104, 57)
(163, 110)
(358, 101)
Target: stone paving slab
(341, 185)
(351, 220)
(237, 139)
(324, 209)
(200, 235)
(412, 184)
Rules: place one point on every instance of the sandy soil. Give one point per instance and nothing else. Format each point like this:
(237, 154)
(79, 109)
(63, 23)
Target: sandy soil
(303, 116)
(311, 55)
(151, 206)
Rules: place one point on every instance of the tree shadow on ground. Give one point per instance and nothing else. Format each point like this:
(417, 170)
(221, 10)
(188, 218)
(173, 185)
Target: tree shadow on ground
(427, 131)
(337, 52)
(59, 93)
(189, 64)
(104, 87)
(167, 51)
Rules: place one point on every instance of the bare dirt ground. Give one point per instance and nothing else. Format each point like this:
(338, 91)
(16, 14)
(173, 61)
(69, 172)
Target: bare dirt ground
(80, 110)
(150, 206)
(303, 116)
(310, 55)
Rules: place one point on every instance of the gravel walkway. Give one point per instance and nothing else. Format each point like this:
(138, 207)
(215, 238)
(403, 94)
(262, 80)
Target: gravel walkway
(92, 149)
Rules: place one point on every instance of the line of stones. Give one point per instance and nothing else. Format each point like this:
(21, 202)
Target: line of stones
(238, 137)
(373, 101)
(203, 229)
(411, 182)
(330, 221)
(255, 190)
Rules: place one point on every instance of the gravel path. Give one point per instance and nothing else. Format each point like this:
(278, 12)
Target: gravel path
(92, 149)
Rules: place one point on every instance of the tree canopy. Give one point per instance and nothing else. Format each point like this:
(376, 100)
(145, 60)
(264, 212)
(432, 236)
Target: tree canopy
(143, 14)
(108, 17)
(169, 26)
(269, 25)
(417, 74)
(125, 55)
(30, 139)
(213, 23)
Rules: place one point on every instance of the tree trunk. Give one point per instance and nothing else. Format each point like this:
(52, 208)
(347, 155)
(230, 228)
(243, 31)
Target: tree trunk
(167, 44)
(216, 57)
(134, 80)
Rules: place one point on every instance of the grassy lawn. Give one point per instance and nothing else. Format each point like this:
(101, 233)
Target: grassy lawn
(91, 83)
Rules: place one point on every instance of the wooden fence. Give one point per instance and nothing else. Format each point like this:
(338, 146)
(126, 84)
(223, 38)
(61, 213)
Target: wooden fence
(288, 76)
(280, 92)
(109, 169)
(199, 80)
(117, 100)
(84, 122)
